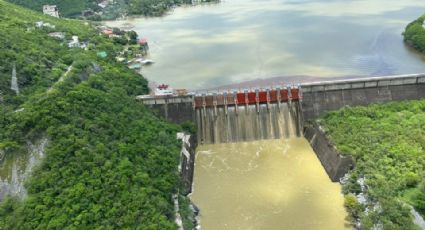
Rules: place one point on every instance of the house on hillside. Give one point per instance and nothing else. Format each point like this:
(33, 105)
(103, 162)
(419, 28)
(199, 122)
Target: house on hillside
(75, 43)
(59, 35)
(144, 47)
(41, 24)
(104, 4)
(143, 42)
(108, 32)
(51, 10)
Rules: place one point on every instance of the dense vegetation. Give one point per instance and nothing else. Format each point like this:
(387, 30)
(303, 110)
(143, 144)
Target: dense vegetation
(67, 8)
(74, 8)
(110, 163)
(414, 34)
(388, 144)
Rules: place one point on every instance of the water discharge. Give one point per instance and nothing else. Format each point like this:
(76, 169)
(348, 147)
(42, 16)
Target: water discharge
(249, 122)
(269, 184)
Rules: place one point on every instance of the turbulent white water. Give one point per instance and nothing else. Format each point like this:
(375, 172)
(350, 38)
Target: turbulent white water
(272, 184)
(261, 184)
(248, 123)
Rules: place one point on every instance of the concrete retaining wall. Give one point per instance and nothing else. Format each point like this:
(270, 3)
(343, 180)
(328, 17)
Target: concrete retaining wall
(173, 109)
(335, 164)
(319, 98)
(187, 161)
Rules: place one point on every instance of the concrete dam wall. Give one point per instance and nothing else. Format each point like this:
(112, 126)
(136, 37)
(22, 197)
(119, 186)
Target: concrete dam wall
(174, 109)
(318, 98)
(335, 164)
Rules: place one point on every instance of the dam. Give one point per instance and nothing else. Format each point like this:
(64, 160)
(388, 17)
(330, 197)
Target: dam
(272, 113)
(255, 169)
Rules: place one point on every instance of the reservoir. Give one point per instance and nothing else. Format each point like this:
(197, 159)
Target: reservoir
(273, 184)
(211, 45)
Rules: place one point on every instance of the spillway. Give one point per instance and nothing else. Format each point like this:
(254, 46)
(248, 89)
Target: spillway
(249, 122)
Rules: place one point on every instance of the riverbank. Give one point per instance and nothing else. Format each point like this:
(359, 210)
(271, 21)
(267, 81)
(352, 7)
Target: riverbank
(386, 142)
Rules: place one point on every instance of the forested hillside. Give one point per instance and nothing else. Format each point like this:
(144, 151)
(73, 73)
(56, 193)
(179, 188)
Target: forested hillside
(110, 163)
(68, 8)
(388, 144)
(116, 8)
(414, 34)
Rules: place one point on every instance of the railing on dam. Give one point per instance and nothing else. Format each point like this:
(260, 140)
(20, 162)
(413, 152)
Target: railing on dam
(359, 83)
(162, 100)
(245, 97)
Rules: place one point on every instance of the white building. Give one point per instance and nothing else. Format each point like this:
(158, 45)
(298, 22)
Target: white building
(104, 4)
(74, 43)
(51, 10)
(41, 24)
(59, 35)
